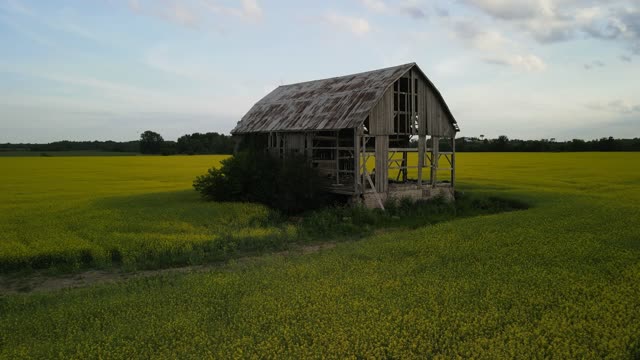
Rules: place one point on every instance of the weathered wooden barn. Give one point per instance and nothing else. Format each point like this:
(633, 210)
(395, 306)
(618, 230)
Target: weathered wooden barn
(361, 131)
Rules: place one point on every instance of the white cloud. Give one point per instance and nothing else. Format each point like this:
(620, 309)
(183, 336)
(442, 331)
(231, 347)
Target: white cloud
(619, 106)
(56, 22)
(511, 9)
(495, 47)
(195, 13)
(248, 10)
(116, 95)
(355, 25)
(412, 8)
(522, 62)
(182, 15)
(251, 9)
(375, 5)
(134, 5)
(550, 21)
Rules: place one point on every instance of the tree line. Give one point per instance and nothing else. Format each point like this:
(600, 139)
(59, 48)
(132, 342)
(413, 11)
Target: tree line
(150, 143)
(504, 144)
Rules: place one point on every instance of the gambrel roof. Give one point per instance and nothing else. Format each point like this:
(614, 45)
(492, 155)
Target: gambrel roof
(331, 104)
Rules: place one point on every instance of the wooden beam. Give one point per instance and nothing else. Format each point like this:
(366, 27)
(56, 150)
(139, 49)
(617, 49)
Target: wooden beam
(365, 159)
(375, 192)
(453, 162)
(309, 137)
(382, 166)
(356, 160)
(338, 157)
(413, 104)
(435, 146)
(405, 160)
(421, 143)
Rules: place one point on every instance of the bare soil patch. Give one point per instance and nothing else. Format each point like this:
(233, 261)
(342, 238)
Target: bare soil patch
(42, 282)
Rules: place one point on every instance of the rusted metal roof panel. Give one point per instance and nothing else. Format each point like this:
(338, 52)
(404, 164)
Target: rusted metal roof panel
(330, 104)
(337, 103)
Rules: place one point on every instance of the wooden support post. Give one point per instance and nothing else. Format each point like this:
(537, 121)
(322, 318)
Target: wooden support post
(421, 146)
(405, 164)
(412, 114)
(309, 149)
(435, 156)
(356, 161)
(453, 162)
(382, 163)
(337, 157)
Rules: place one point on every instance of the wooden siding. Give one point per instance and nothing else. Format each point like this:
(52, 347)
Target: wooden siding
(382, 163)
(381, 116)
(294, 142)
(438, 121)
(433, 118)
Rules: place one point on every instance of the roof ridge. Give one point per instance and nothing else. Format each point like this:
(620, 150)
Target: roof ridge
(347, 75)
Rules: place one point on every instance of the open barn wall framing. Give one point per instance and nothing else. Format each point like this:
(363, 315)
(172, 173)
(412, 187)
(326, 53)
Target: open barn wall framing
(408, 111)
(373, 158)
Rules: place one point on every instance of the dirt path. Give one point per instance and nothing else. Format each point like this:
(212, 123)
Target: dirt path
(42, 282)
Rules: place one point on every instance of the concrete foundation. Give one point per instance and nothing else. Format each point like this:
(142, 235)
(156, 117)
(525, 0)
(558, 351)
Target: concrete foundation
(410, 190)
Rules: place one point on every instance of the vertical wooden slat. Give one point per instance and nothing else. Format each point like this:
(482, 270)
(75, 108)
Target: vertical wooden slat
(382, 163)
(405, 163)
(435, 150)
(381, 116)
(453, 162)
(421, 145)
(309, 146)
(338, 157)
(365, 157)
(422, 107)
(356, 160)
(413, 103)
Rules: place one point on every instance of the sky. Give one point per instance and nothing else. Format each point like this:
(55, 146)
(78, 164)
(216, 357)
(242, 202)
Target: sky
(111, 69)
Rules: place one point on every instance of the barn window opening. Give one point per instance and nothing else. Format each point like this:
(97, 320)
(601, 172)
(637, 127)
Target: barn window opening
(405, 108)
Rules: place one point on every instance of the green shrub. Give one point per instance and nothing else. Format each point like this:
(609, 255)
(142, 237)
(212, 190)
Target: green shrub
(289, 185)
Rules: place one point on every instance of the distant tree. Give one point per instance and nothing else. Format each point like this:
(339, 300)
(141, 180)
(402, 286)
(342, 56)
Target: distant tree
(151, 142)
(607, 144)
(209, 143)
(577, 145)
(501, 143)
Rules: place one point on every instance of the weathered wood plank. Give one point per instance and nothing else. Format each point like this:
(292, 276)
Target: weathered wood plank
(421, 146)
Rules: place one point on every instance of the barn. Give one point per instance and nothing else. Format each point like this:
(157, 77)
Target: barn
(376, 135)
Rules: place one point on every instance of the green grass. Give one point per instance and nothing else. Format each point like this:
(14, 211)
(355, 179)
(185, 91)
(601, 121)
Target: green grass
(76, 212)
(69, 214)
(560, 279)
